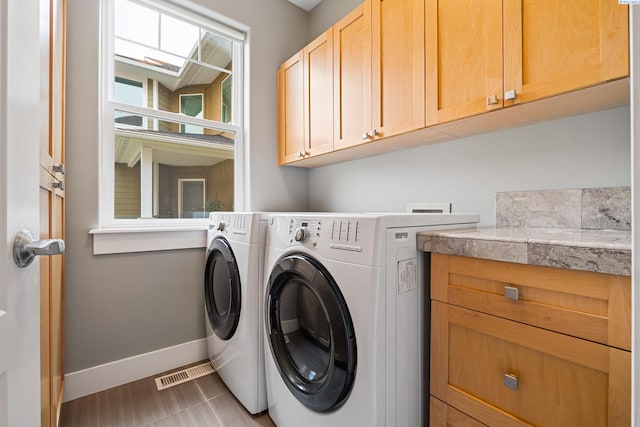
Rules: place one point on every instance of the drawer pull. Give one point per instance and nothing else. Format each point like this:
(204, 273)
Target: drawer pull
(511, 293)
(511, 381)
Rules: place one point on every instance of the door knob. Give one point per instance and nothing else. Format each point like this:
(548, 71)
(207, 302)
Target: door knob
(26, 248)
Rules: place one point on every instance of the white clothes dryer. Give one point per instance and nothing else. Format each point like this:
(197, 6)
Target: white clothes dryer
(344, 318)
(233, 287)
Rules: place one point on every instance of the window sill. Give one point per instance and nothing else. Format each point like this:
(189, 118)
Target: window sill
(129, 240)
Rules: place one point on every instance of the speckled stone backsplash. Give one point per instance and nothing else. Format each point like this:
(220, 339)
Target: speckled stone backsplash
(587, 208)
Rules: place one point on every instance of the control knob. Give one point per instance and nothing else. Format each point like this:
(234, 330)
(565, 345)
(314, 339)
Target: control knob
(221, 226)
(301, 234)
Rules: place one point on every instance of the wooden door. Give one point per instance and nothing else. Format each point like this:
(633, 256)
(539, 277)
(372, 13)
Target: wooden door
(554, 46)
(398, 96)
(463, 58)
(52, 179)
(352, 77)
(291, 110)
(21, 33)
(318, 92)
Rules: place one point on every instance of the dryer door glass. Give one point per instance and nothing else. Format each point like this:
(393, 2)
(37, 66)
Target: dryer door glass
(311, 334)
(222, 289)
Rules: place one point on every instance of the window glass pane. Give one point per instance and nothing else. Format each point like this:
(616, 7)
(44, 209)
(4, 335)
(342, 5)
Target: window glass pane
(136, 23)
(175, 58)
(197, 80)
(178, 37)
(180, 166)
(128, 92)
(191, 105)
(226, 101)
(216, 50)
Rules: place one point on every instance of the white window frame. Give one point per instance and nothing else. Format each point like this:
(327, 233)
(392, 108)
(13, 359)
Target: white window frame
(115, 235)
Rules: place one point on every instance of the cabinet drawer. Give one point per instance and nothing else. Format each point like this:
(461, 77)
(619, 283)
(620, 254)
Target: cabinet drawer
(556, 380)
(593, 306)
(441, 414)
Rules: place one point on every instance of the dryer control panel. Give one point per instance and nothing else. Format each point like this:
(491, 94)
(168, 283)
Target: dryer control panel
(342, 234)
(345, 238)
(302, 229)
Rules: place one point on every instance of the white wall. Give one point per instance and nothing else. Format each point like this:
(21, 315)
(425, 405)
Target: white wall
(590, 150)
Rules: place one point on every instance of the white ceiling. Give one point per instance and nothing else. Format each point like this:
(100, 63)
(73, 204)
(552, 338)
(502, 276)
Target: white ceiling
(306, 4)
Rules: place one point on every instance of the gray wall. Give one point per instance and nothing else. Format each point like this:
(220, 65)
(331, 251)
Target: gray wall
(591, 150)
(327, 13)
(123, 305)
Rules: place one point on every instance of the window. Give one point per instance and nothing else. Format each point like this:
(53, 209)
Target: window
(192, 106)
(130, 92)
(226, 100)
(172, 125)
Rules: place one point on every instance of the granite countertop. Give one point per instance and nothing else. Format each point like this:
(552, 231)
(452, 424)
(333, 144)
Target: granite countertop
(603, 251)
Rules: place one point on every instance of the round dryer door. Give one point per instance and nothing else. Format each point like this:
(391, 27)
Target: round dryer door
(222, 291)
(311, 334)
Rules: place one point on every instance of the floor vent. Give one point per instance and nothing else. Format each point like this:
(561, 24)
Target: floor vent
(184, 375)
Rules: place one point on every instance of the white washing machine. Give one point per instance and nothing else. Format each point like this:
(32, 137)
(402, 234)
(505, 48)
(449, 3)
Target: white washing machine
(344, 307)
(233, 286)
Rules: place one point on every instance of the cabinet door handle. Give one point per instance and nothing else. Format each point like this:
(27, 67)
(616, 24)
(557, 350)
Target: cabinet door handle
(510, 95)
(511, 293)
(372, 133)
(365, 136)
(301, 154)
(510, 381)
(492, 99)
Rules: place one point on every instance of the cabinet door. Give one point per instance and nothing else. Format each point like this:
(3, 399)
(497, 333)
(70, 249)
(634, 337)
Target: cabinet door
(318, 90)
(554, 46)
(502, 372)
(352, 77)
(291, 110)
(463, 58)
(398, 66)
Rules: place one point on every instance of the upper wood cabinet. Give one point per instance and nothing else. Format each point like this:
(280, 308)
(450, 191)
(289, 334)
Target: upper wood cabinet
(352, 77)
(395, 74)
(379, 71)
(398, 66)
(318, 90)
(553, 47)
(305, 101)
(291, 142)
(482, 56)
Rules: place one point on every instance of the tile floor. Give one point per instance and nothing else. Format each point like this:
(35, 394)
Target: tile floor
(205, 401)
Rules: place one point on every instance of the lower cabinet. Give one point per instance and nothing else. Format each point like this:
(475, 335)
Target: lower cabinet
(441, 414)
(501, 370)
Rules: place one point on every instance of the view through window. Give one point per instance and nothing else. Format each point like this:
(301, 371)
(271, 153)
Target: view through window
(173, 106)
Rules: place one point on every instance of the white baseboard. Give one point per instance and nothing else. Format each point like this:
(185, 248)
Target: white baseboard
(102, 377)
